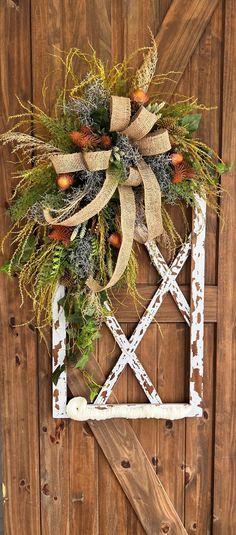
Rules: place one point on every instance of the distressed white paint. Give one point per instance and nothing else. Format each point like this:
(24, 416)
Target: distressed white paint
(78, 409)
(58, 354)
(197, 305)
(193, 315)
(127, 357)
(143, 325)
(163, 268)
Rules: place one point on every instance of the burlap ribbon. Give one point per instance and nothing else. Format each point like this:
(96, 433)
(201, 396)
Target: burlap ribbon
(148, 144)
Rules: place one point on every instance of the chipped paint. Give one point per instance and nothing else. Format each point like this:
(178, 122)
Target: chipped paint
(128, 347)
(128, 356)
(163, 268)
(193, 315)
(197, 306)
(79, 409)
(59, 353)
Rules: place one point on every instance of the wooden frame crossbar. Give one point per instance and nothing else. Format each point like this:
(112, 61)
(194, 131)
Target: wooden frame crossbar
(193, 314)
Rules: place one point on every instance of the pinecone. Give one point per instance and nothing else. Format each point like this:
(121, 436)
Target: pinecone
(171, 125)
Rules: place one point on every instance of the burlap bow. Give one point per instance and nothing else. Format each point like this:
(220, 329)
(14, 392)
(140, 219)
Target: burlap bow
(149, 144)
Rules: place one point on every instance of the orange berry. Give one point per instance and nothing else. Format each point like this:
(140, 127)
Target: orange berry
(176, 158)
(115, 240)
(139, 96)
(64, 181)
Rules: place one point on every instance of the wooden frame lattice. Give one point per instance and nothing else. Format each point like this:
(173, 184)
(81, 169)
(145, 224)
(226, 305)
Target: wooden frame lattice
(192, 313)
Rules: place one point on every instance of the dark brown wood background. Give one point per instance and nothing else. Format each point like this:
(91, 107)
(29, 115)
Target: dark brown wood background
(57, 479)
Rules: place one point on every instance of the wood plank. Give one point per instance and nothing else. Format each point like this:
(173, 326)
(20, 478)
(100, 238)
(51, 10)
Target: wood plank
(54, 459)
(47, 26)
(179, 35)
(125, 310)
(139, 481)
(19, 382)
(127, 36)
(113, 505)
(225, 431)
(171, 383)
(145, 430)
(204, 66)
(198, 461)
(84, 22)
(132, 467)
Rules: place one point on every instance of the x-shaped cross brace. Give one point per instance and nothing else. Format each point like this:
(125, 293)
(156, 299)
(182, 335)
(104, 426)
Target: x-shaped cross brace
(193, 315)
(128, 347)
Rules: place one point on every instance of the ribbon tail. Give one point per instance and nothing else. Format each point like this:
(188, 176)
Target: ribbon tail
(128, 211)
(91, 209)
(152, 200)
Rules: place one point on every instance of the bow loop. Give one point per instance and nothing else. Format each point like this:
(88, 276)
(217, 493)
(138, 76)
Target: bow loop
(141, 123)
(138, 130)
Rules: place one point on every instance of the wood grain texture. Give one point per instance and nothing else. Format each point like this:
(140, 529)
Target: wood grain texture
(113, 507)
(46, 32)
(204, 65)
(19, 386)
(132, 468)
(172, 341)
(74, 472)
(225, 446)
(168, 313)
(144, 430)
(179, 35)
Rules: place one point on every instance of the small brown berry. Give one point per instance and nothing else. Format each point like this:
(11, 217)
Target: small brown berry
(115, 240)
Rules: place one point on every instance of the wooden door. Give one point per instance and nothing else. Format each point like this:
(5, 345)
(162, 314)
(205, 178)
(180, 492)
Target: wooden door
(56, 477)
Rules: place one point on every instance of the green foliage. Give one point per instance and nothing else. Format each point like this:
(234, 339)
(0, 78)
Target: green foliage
(182, 108)
(22, 254)
(85, 341)
(52, 268)
(101, 118)
(117, 169)
(57, 372)
(84, 315)
(191, 122)
(184, 191)
(40, 262)
(224, 167)
(59, 128)
(34, 184)
(4, 268)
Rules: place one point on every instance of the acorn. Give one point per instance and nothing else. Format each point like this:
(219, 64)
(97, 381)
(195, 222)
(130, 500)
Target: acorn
(176, 158)
(139, 96)
(64, 181)
(115, 240)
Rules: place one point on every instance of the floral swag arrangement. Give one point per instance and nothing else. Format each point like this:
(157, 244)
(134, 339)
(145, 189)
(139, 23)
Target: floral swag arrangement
(114, 156)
